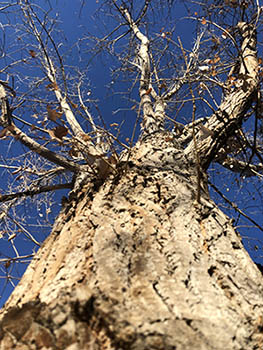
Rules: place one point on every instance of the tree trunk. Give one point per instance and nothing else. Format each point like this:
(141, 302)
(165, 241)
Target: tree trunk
(136, 263)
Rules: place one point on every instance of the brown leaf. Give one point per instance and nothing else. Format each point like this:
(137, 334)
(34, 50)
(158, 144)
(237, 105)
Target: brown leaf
(216, 59)
(214, 72)
(234, 3)
(148, 91)
(52, 86)
(53, 114)
(85, 137)
(60, 131)
(73, 105)
(113, 159)
(3, 133)
(8, 263)
(203, 21)
(7, 131)
(32, 53)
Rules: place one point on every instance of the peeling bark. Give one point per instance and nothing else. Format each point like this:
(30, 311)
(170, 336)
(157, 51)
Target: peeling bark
(134, 263)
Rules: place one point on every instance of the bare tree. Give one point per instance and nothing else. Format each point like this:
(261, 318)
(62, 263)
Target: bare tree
(140, 256)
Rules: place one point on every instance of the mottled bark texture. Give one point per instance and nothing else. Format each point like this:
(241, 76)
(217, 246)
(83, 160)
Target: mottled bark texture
(136, 263)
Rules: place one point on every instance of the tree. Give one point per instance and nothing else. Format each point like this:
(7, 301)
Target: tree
(140, 256)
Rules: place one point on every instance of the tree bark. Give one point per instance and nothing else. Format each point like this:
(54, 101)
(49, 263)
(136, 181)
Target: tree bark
(136, 263)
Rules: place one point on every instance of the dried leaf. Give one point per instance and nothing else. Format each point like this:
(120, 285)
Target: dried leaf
(113, 159)
(53, 114)
(85, 137)
(148, 91)
(133, 107)
(52, 86)
(3, 133)
(60, 131)
(203, 21)
(7, 131)
(73, 105)
(8, 263)
(32, 53)
(216, 59)
(260, 60)
(214, 72)
(234, 3)
(114, 124)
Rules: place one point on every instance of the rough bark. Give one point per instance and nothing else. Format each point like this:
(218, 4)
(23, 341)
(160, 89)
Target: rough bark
(136, 263)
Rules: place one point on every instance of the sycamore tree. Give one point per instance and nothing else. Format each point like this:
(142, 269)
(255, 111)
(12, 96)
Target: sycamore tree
(140, 256)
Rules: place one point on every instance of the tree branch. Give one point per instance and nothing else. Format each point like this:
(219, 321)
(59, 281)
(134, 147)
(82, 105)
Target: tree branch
(235, 207)
(151, 121)
(230, 113)
(42, 151)
(50, 70)
(239, 166)
(41, 189)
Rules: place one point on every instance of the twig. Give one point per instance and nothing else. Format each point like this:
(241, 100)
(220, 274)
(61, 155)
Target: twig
(198, 167)
(33, 192)
(234, 206)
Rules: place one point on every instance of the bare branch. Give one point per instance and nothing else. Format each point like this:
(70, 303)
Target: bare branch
(241, 167)
(51, 73)
(34, 191)
(229, 116)
(235, 207)
(42, 151)
(151, 121)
